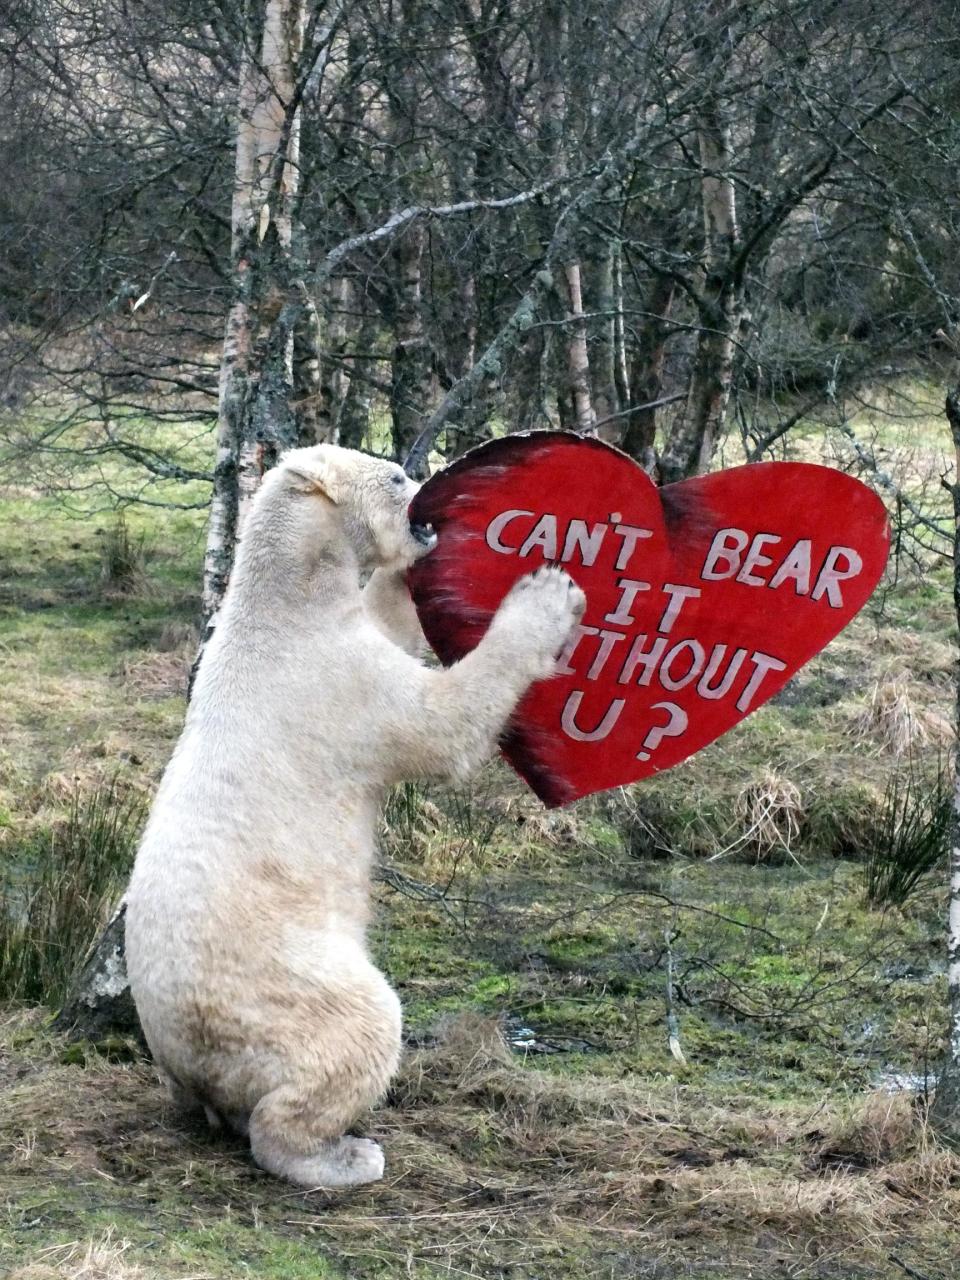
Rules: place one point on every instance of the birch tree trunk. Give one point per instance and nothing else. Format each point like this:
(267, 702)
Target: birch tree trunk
(946, 1106)
(462, 349)
(330, 375)
(606, 399)
(553, 107)
(619, 331)
(100, 1003)
(256, 417)
(690, 448)
(256, 370)
(411, 373)
(495, 138)
(309, 404)
(535, 373)
(578, 362)
(530, 382)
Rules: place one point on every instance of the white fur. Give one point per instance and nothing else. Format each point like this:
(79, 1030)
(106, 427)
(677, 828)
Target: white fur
(248, 906)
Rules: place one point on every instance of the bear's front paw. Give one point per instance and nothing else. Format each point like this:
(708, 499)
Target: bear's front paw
(540, 611)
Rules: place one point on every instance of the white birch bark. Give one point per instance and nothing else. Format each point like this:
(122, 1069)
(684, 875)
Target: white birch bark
(578, 361)
(621, 373)
(331, 380)
(273, 178)
(711, 387)
(946, 1106)
(100, 1003)
(606, 400)
(222, 524)
(261, 175)
(309, 403)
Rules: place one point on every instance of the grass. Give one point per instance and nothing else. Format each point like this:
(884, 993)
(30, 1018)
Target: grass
(540, 1124)
(59, 891)
(121, 567)
(496, 1168)
(912, 834)
(91, 683)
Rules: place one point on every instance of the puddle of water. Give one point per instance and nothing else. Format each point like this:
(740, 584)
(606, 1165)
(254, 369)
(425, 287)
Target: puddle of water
(523, 1039)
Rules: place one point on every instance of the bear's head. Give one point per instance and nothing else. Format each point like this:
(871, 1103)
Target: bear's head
(364, 501)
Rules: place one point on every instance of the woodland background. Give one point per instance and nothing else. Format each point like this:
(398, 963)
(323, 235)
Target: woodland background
(688, 1028)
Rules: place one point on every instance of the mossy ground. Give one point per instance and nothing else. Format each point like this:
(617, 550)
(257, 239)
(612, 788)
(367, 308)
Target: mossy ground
(541, 1125)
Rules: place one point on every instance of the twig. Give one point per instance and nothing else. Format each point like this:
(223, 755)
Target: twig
(404, 217)
(905, 1267)
(637, 408)
(421, 892)
(145, 297)
(673, 1022)
(665, 898)
(888, 484)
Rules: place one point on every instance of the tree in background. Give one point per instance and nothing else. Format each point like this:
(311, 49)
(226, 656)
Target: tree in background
(721, 177)
(946, 1108)
(262, 409)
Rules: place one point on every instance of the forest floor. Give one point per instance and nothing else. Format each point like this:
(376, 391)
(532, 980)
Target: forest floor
(540, 1125)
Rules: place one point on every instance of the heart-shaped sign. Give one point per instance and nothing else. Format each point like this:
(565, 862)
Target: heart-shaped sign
(703, 598)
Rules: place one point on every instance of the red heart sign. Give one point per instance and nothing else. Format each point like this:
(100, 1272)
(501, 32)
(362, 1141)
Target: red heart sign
(703, 598)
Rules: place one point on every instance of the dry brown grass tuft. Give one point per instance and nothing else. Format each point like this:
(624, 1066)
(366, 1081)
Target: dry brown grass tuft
(472, 1063)
(164, 672)
(176, 637)
(519, 810)
(158, 675)
(440, 842)
(83, 770)
(82, 1260)
(913, 651)
(896, 721)
(102, 1259)
(880, 1128)
(121, 561)
(763, 1196)
(770, 809)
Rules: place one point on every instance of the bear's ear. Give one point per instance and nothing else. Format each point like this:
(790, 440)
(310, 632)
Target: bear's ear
(314, 471)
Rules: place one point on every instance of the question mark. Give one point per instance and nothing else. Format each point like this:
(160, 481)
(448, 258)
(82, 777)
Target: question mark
(672, 729)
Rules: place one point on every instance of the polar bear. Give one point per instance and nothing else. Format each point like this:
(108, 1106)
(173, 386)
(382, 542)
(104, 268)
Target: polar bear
(249, 900)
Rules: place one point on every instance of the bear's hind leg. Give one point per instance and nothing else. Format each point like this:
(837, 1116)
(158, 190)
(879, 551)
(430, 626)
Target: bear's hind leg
(287, 1120)
(185, 1099)
(297, 1129)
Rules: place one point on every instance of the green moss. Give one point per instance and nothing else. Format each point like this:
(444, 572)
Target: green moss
(491, 991)
(777, 971)
(838, 820)
(591, 942)
(606, 837)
